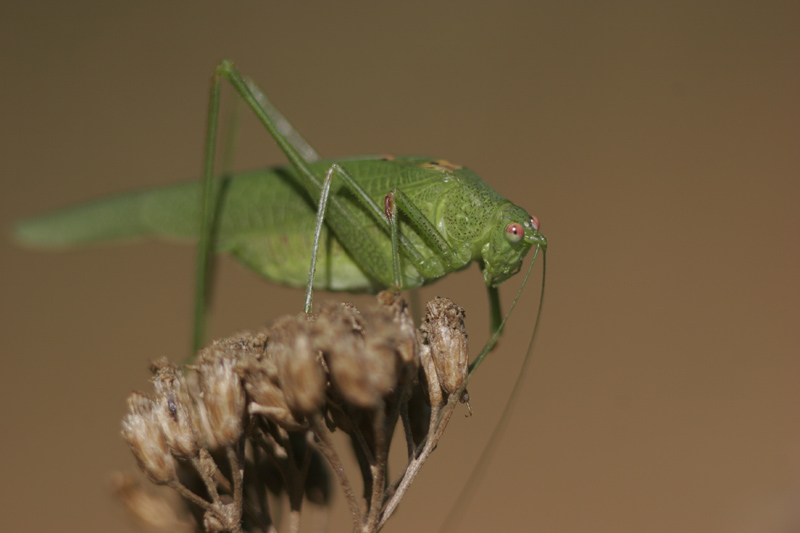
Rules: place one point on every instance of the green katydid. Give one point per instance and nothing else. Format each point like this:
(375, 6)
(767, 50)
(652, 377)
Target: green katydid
(389, 222)
(271, 220)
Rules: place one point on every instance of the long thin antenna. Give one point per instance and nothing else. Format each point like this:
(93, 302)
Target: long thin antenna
(468, 489)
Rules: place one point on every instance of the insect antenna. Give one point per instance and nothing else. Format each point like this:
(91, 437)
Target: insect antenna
(468, 488)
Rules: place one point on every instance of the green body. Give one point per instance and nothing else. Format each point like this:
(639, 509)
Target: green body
(388, 222)
(267, 222)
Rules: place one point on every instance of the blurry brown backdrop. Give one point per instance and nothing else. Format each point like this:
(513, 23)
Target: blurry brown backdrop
(659, 147)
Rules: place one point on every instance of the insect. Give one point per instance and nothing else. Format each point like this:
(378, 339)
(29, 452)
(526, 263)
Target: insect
(446, 217)
(358, 224)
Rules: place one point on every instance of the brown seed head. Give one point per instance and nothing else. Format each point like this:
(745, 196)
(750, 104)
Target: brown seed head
(445, 333)
(300, 373)
(399, 333)
(174, 409)
(223, 394)
(142, 431)
(361, 376)
(265, 397)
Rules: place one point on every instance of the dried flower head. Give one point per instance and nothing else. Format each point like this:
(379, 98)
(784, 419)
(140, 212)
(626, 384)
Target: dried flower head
(174, 409)
(255, 415)
(390, 333)
(142, 430)
(259, 373)
(407, 344)
(300, 373)
(444, 332)
(223, 395)
(362, 376)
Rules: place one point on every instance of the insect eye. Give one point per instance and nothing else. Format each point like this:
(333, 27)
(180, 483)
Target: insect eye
(535, 223)
(514, 232)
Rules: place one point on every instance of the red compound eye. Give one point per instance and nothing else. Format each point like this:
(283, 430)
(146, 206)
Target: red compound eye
(515, 232)
(535, 223)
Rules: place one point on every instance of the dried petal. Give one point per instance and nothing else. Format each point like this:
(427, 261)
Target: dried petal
(434, 388)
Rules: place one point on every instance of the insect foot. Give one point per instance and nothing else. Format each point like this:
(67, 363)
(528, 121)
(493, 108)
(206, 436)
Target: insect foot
(248, 426)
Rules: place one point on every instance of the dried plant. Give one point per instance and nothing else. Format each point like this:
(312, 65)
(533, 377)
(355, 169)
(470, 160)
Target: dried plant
(254, 415)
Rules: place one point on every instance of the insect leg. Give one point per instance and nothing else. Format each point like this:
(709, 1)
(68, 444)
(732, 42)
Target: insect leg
(391, 214)
(396, 201)
(207, 216)
(338, 217)
(497, 332)
(286, 129)
(208, 196)
(428, 230)
(323, 203)
(495, 311)
(418, 219)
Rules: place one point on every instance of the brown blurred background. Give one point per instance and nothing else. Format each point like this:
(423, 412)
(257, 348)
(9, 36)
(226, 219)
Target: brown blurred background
(657, 145)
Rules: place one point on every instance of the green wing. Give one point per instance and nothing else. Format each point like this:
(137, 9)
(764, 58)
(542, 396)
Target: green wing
(265, 220)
